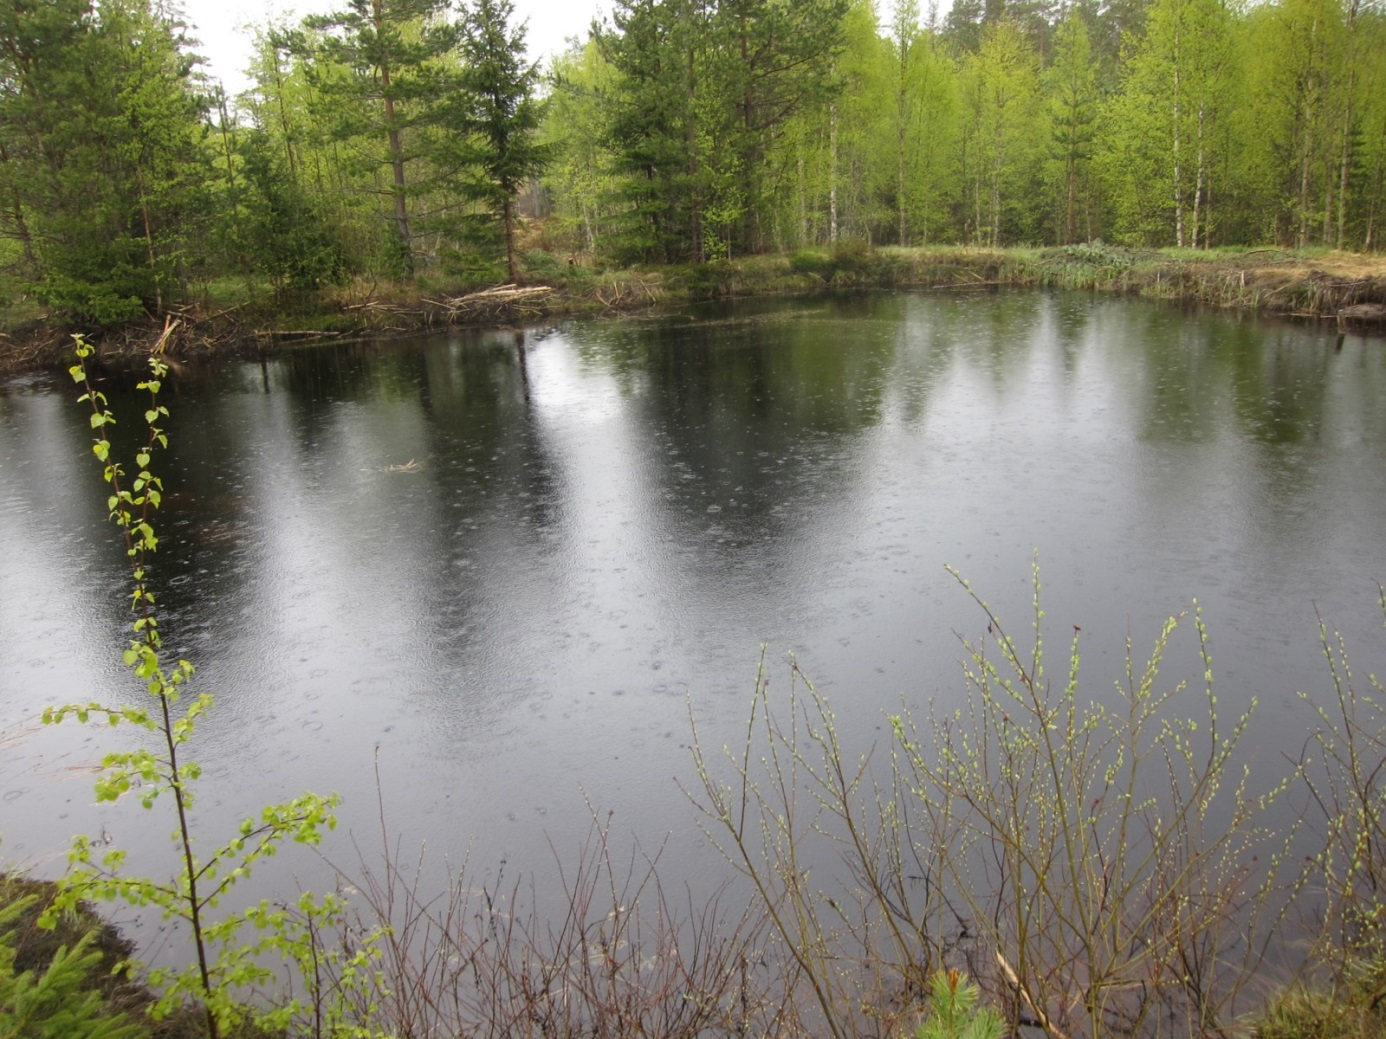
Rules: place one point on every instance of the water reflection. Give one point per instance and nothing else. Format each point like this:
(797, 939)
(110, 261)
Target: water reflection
(512, 562)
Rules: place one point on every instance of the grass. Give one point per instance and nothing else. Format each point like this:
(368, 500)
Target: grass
(230, 312)
(1309, 1013)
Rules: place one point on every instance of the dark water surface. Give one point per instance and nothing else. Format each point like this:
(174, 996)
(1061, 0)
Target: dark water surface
(603, 522)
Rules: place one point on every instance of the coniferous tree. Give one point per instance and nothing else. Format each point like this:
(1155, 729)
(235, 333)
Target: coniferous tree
(101, 137)
(290, 238)
(777, 59)
(499, 114)
(653, 130)
(372, 65)
(1073, 103)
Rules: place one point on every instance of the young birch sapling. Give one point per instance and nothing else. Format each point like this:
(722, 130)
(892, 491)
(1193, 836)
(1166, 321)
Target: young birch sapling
(229, 949)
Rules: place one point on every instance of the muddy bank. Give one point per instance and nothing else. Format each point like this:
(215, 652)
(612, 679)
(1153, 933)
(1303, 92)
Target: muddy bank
(1346, 288)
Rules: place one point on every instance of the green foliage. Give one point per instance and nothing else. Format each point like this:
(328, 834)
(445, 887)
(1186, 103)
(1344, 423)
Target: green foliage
(59, 1001)
(1003, 131)
(581, 179)
(955, 1010)
(1306, 1012)
(101, 147)
(389, 135)
(701, 94)
(1072, 102)
(373, 68)
(1168, 129)
(497, 114)
(287, 233)
(1095, 854)
(229, 948)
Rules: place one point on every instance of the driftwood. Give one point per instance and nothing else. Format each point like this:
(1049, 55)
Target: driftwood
(1044, 1019)
(272, 333)
(501, 303)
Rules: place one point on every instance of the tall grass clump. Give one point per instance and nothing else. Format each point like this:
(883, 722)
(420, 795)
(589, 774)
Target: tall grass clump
(1100, 866)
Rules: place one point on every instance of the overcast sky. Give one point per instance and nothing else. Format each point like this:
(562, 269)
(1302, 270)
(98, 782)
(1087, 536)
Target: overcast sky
(222, 26)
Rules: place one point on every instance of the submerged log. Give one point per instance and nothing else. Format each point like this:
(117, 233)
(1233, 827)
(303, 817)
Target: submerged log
(1366, 313)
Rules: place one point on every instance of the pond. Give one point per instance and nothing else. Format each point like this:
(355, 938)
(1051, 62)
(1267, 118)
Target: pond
(501, 570)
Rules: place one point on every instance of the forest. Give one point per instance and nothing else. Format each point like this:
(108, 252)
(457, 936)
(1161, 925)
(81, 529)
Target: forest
(400, 139)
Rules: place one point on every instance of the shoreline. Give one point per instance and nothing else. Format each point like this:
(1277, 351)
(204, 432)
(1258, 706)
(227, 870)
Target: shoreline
(1347, 288)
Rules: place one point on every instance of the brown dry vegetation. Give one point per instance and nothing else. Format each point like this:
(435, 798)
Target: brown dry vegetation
(1347, 287)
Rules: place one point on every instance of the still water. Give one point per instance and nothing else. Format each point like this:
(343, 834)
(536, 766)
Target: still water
(502, 569)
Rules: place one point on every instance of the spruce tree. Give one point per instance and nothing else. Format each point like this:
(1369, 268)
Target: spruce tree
(499, 113)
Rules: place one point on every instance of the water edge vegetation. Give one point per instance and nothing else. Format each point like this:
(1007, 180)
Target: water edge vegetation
(1349, 289)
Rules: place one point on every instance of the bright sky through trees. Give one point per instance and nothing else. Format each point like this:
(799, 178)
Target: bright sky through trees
(224, 27)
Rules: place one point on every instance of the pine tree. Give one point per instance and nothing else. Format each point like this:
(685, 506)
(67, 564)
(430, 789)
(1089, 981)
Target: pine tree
(373, 65)
(653, 49)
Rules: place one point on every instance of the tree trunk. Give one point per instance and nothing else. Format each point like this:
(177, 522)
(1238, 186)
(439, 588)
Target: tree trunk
(902, 115)
(695, 216)
(149, 247)
(1198, 181)
(1071, 214)
(832, 172)
(803, 197)
(21, 226)
(903, 233)
(396, 152)
(284, 120)
(397, 166)
(508, 214)
(1345, 158)
(1344, 168)
(1178, 169)
(1303, 236)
